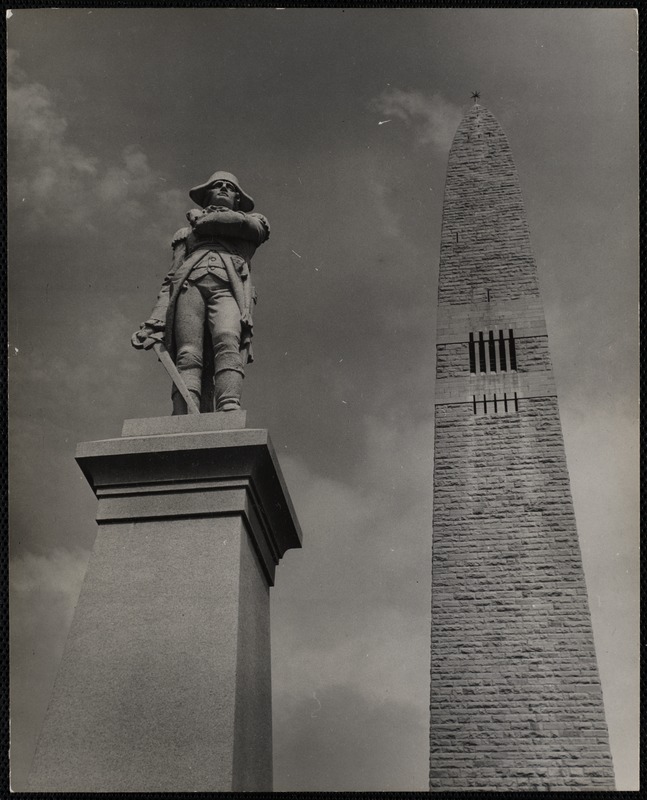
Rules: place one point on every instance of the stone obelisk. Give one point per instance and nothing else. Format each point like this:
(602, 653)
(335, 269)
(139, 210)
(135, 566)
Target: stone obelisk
(516, 701)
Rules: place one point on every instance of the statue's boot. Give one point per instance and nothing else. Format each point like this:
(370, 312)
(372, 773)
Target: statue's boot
(228, 389)
(189, 364)
(179, 404)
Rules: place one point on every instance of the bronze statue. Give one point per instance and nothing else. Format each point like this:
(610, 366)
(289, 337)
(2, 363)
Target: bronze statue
(203, 313)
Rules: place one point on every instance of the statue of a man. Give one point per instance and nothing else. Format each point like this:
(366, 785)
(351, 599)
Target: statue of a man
(203, 312)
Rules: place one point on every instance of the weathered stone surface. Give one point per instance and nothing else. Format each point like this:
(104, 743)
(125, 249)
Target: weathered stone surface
(485, 243)
(183, 423)
(195, 474)
(165, 683)
(516, 702)
(208, 288)
(146, 695)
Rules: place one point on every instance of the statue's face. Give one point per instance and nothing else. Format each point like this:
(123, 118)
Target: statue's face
(222, 193)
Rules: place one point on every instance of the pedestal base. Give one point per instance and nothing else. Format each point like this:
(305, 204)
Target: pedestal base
(165, 680)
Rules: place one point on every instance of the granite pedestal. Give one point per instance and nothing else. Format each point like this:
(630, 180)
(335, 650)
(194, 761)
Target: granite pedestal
(165, 680)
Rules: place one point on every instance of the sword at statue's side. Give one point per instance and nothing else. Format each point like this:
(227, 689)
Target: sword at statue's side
(167, 362)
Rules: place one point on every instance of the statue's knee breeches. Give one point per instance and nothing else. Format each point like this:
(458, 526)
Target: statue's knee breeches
(210, 300)
(189, 327)
(225, 330)
(189, 362)
(226, 351)
(189, 357)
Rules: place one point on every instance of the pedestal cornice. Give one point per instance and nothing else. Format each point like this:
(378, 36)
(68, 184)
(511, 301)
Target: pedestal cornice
(206, 473)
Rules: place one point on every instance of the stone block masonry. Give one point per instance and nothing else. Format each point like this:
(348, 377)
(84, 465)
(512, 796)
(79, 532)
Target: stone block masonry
(516, 701)
(515, 696)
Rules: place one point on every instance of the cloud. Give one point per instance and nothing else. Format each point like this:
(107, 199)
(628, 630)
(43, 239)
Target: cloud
(602, 448)
(433, 120)
(81, 367)
(56, 184)
(380, 518)
(377, 746)
(43, 591)
(55, 576)
(385, 207)
(358, 637)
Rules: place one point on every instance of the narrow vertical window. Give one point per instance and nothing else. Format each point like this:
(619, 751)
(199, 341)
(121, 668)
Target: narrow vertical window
(474, 402)
(513, 352)
(472, 354)
(492, 353)
(482, 353)
(485, 404)
(495, 405)
(502, 357)
(456, 235)
(505, 401)
(516, 402)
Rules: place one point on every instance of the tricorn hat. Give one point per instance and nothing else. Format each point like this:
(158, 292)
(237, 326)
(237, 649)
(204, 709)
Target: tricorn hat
(198, 193)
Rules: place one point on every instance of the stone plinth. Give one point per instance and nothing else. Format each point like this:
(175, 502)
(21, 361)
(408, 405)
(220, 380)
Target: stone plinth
(165, 681)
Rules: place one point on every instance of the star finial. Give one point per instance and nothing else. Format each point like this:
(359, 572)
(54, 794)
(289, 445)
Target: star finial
(475, 96)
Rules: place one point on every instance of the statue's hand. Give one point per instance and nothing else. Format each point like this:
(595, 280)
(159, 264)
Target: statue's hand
(246, 320)
(147, 335)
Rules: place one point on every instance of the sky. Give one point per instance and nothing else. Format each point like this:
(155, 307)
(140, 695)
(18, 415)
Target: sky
(338, 122)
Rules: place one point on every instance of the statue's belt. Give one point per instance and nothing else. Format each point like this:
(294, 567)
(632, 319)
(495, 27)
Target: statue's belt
(236, 269)
(218, 259)
(200, 271)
